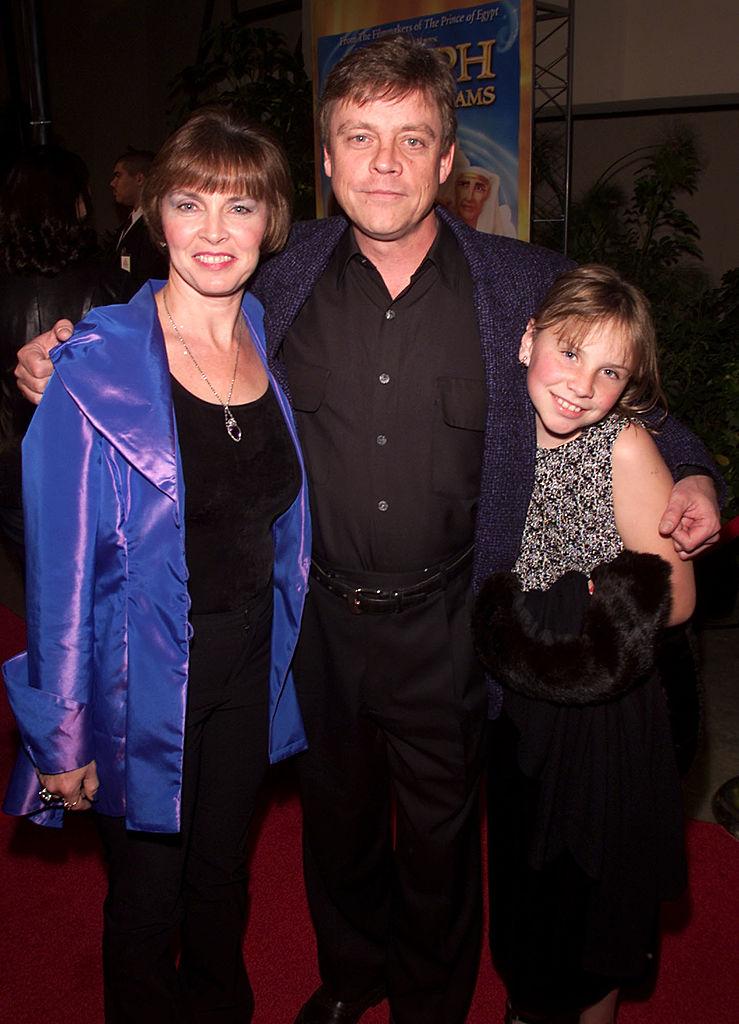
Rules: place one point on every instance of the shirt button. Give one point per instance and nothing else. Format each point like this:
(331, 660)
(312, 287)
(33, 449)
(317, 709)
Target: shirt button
(390, 314)
(383, 505)
(384, 378)
(381, 439)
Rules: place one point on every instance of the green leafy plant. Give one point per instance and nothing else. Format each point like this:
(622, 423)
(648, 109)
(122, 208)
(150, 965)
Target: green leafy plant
(700, 367)
(646, 236)
(253, 69)
(645, 233)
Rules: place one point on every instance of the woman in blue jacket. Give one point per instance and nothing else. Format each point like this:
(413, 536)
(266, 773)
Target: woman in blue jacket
(168, 554)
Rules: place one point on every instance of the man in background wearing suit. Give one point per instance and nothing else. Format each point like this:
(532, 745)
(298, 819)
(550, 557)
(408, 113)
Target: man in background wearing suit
(135, 253)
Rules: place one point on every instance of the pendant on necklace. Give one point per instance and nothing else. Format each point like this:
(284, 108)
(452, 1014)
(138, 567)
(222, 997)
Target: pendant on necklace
(232, 428)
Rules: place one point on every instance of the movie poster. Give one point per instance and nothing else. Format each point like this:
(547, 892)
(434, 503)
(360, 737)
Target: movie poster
(489, 47)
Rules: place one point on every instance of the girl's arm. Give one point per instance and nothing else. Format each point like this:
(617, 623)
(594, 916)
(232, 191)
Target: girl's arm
(641, 488)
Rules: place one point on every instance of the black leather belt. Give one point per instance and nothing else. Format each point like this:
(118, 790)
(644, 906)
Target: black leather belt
(364, 598)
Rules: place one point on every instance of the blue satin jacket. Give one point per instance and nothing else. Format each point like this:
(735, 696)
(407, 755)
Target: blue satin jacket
(105, 674)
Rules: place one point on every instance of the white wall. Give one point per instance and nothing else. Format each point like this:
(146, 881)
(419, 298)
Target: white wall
(644, 49)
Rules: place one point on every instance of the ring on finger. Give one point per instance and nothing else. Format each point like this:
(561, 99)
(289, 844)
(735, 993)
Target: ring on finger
(47, 797)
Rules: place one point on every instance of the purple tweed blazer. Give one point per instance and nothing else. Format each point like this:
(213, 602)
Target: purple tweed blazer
(510, 279)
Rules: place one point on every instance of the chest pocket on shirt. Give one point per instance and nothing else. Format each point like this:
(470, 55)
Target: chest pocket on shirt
(458, 434)
(308, 385)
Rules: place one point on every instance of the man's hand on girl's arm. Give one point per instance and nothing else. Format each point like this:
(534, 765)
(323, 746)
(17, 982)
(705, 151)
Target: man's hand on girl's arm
(692, 517)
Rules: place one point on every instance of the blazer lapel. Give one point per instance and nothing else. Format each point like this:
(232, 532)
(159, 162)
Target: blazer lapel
(116, 370)
(287, 281)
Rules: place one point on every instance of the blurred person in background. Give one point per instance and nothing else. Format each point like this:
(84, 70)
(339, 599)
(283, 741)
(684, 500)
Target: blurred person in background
(138, 257)
(49, 266)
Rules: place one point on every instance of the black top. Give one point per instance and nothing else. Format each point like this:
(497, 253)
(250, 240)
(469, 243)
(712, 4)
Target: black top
(233, 494)
(390, 404)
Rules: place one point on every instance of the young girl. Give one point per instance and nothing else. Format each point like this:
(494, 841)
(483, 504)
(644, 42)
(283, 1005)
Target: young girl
(585, 820)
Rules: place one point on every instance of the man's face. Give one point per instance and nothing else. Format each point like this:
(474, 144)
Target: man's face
(470, 193)
(126, 187)
(385, 163)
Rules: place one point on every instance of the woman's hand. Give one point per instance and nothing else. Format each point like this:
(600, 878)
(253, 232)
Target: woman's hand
(76, 788)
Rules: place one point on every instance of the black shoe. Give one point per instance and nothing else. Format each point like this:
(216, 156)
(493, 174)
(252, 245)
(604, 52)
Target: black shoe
(323, 1008)
(513, 1016)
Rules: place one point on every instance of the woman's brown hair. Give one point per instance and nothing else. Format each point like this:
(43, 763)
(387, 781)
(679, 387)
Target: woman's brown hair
(217, 150)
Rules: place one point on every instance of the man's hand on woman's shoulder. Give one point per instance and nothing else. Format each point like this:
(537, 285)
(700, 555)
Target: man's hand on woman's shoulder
(34, 366)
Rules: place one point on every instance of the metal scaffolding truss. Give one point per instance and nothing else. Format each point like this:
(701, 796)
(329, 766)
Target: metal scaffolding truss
(552, 142)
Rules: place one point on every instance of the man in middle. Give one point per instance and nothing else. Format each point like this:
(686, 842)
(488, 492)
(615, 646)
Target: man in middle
(385, 373)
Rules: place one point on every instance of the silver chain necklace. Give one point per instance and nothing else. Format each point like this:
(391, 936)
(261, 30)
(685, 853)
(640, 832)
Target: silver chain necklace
(232, 428)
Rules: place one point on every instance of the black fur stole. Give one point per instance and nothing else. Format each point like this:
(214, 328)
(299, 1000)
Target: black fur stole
(629, 606)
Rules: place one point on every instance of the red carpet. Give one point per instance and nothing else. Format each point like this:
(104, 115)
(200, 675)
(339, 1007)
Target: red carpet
(52, 885)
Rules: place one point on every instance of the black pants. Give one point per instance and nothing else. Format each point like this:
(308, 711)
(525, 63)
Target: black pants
(194, 884)
(393, 704)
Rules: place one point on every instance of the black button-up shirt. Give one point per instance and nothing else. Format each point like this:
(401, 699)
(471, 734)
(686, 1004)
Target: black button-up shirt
(390, 404)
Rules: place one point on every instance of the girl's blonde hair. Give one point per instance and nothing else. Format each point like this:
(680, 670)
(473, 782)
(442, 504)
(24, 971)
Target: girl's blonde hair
(593, 294)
